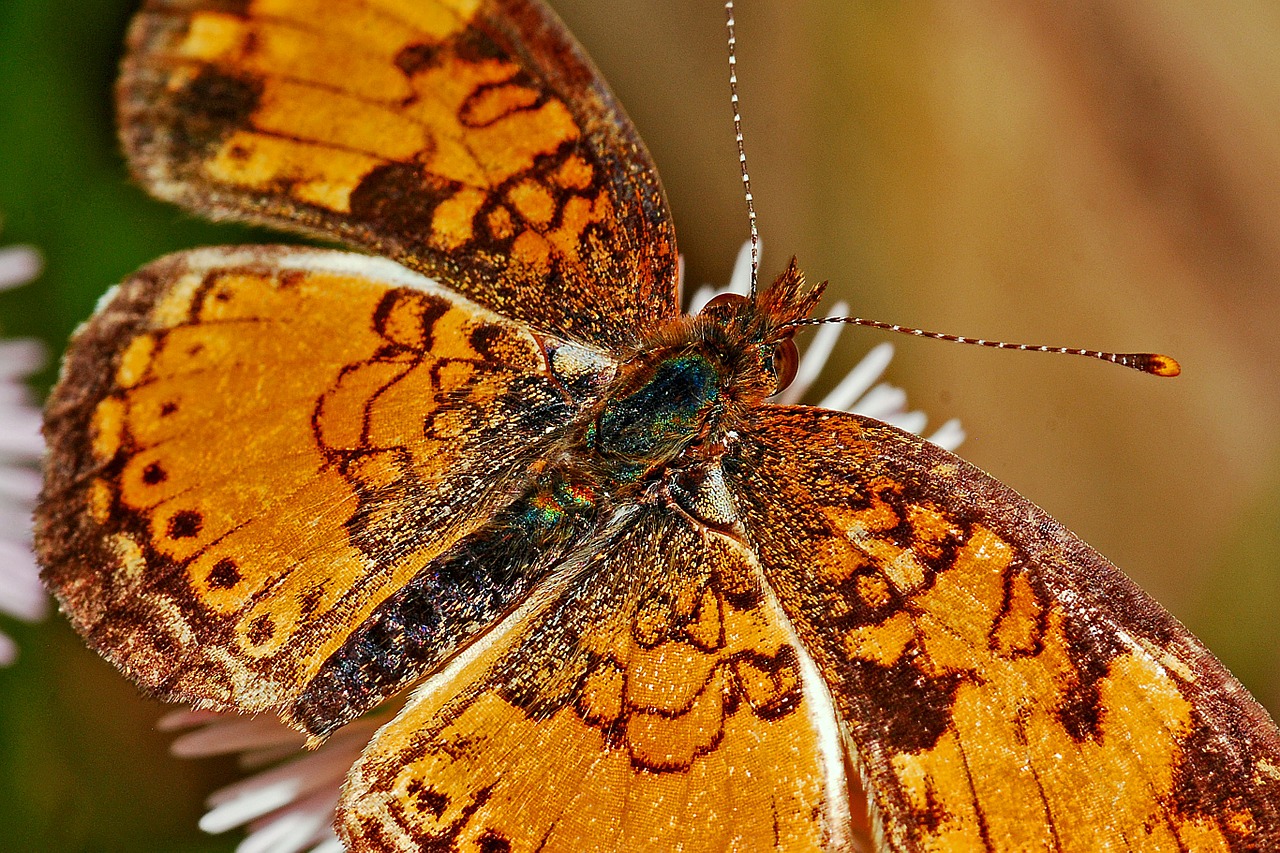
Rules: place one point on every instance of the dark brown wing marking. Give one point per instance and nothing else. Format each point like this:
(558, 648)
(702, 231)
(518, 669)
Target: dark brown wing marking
(472, 141)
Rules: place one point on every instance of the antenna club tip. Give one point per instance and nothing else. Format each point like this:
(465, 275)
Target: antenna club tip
(1157, 364)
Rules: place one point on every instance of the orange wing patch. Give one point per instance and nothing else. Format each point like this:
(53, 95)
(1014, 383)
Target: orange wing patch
(1005, 688)
(469, 140)
(285, 439)
(644, 703)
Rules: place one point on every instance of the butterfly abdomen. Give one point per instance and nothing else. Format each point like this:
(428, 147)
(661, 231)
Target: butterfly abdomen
(451, 600)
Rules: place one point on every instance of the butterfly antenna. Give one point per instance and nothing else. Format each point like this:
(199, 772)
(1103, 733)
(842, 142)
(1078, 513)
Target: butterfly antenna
(742, 151)
(1145, 362)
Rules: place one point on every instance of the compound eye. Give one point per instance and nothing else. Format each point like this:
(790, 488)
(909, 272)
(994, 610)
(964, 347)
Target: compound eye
(786, 358)
(725, 304)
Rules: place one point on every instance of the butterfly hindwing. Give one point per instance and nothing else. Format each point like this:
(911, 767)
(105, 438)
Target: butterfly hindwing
(1004, 687)
(469, 139)
(254, 450)
(649, 699)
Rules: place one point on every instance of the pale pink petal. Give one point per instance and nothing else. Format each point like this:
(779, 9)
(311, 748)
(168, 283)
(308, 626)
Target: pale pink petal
(21, 447)
(19, 265)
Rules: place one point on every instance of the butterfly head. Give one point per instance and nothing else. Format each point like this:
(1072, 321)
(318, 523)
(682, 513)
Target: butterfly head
(681, 388)
(761, 328)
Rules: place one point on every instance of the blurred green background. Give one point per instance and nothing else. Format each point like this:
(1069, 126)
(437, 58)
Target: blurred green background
(1094, 175)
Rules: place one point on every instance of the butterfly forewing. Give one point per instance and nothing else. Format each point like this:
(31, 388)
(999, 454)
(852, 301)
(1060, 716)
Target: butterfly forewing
(1004, 686)
(470, 140)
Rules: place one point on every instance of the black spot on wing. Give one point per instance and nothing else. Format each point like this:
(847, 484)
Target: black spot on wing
(417, 57)
(225, 574)
(211, 106)
(184, 524)
(401, 199)
(917, 707)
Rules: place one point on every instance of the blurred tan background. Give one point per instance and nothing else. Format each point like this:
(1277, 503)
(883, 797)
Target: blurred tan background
(1092, 174)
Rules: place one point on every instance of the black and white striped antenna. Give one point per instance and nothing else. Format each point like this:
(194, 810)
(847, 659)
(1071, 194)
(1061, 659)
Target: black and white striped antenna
(742, 151)
(1145, 362)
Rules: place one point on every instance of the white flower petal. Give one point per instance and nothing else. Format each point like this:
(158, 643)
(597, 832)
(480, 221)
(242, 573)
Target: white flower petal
(881, 402)
(19, 265)
(21, 594)
(8, 650)
(329, 845)
(296, 777)
(185, 718)
(857, 381)
(701, 297)
(21, 447)
(254, 759)
(20, 434)
(294, 828)
(235, 734)
(949, 436)
(739, 282)
(21, 357)
(21, 486)
(288, 806)
(908, 421)
(261, 801)
(15, 528)
(740, 278)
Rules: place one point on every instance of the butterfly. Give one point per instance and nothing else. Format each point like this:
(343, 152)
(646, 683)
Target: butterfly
(641, 606)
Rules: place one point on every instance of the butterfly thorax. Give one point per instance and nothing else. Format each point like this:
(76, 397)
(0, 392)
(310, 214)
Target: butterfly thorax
(686, 383)
(669, 411)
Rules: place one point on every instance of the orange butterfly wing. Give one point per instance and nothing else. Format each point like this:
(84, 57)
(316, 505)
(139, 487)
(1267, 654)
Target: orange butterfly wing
(471, 140)
(650, 698)
(1003, 686)
(255, 451)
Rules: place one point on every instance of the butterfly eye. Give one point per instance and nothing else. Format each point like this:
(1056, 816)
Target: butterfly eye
(785, 361)
(725, 304)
